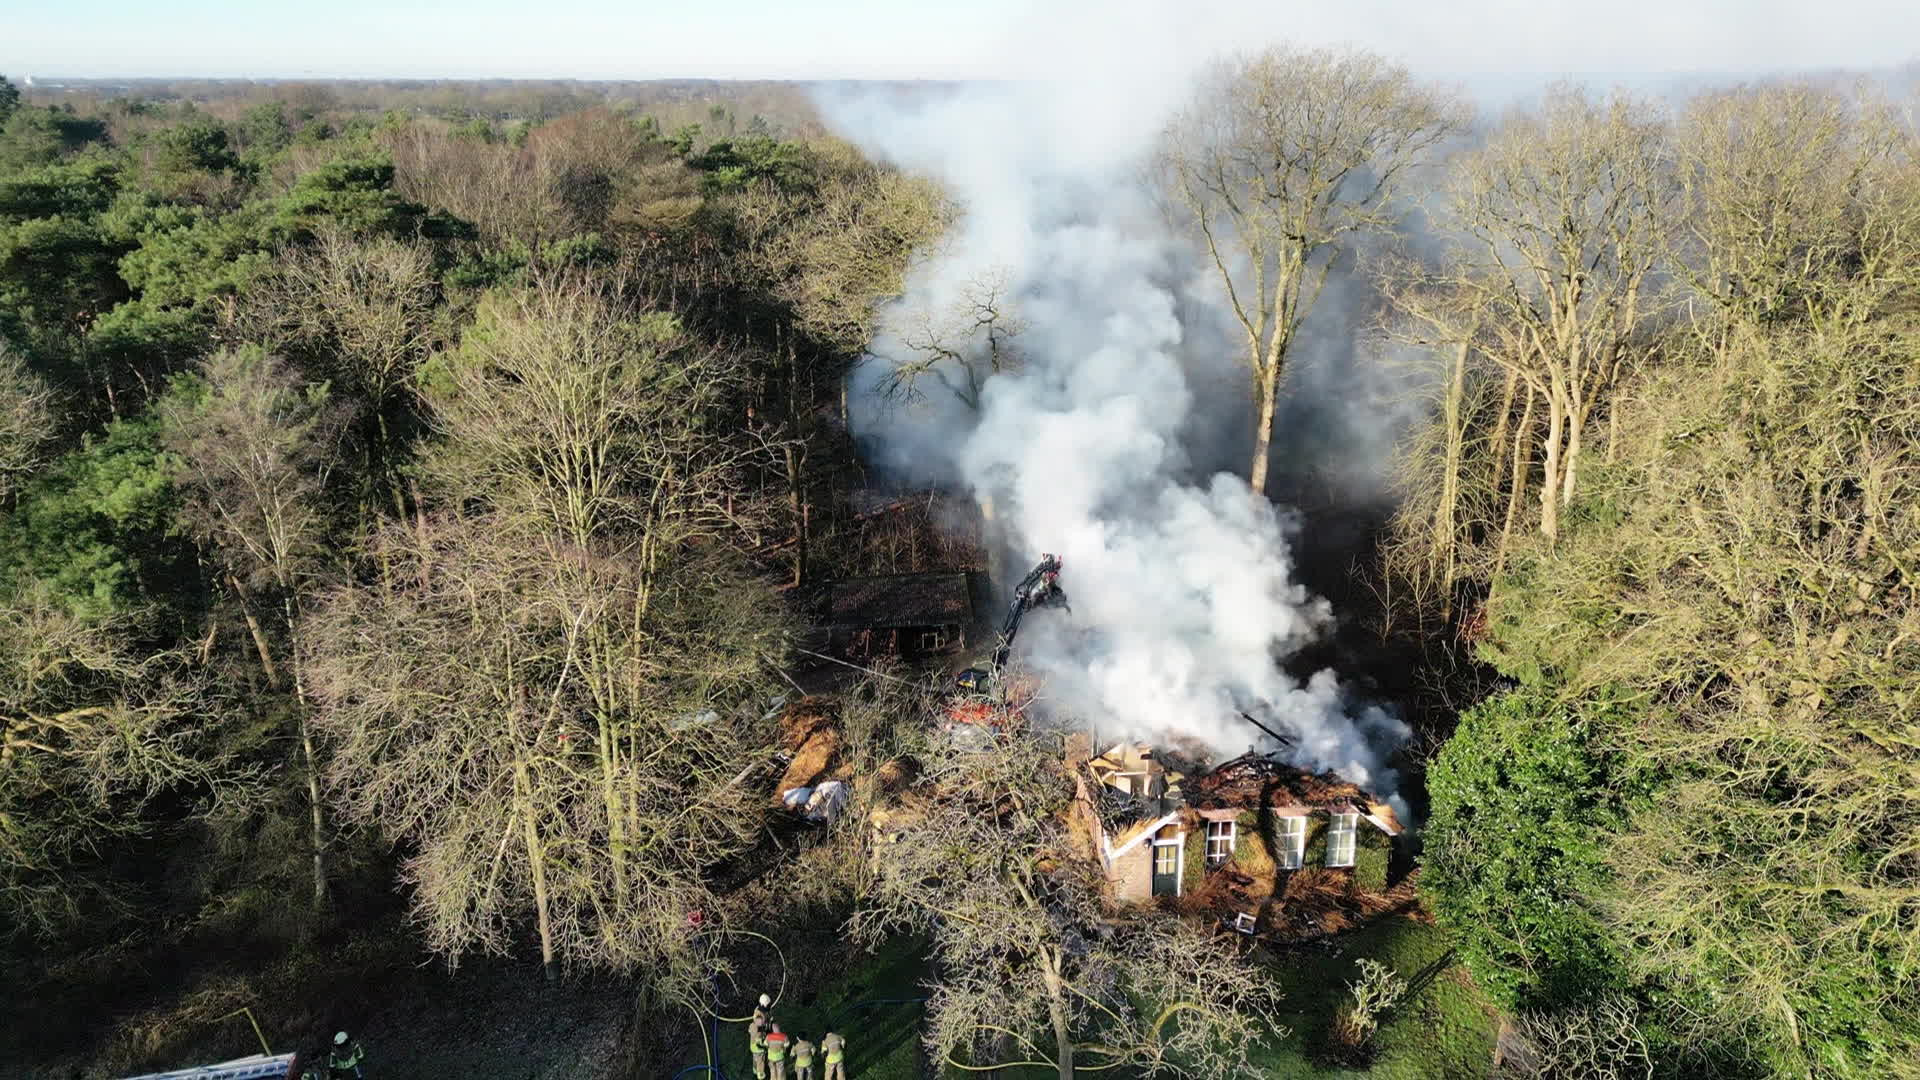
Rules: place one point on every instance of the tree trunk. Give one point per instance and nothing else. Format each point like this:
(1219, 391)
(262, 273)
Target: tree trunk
(536, 863)
(1445, 525)
(1576, 422)
(795, 497)
(1057, 1008)
(616, 820)
(1517, 485)
(259, 635)
(1550, 490)
(530, 835)
(318, 823)
(310, 759)
(1499, 437)
(206, 647)
(1263, 429)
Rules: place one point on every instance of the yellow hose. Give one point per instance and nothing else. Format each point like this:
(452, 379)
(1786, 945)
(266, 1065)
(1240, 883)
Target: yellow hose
(783, 975)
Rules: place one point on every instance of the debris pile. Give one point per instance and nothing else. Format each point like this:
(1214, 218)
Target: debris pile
(810, 733)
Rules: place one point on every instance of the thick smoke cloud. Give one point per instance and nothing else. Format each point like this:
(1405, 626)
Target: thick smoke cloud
(1183, 585)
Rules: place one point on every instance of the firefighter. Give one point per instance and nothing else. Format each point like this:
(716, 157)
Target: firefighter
(757, 1043)
(802, 1057)
(835, 1048)
(760, 1010)
(777, 1046)
(345, 1059)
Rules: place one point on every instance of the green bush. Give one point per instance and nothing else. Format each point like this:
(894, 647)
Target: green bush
(97, 525)
(1522, 802)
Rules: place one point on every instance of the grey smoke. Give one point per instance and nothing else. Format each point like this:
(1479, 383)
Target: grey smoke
(1183, 584)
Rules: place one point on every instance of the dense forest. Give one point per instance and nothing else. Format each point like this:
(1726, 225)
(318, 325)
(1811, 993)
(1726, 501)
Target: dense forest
(408, 501)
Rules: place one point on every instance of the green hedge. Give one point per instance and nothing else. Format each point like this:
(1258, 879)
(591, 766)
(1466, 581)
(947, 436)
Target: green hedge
(1195, 855)
(1370, 867)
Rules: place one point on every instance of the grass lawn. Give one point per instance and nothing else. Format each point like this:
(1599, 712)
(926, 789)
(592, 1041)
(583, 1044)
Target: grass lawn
(1443, 1029)
(872, 1007)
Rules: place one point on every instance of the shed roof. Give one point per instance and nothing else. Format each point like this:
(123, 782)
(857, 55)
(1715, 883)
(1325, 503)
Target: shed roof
(900, 600)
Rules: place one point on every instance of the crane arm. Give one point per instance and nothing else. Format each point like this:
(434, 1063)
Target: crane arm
(1040, 588)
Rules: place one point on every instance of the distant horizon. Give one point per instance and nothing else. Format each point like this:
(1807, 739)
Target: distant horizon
(899, 40)
(1493, 91)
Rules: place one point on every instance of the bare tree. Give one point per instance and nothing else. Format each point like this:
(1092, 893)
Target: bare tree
(1601, 1041)
(26, 420)
(1033, 969)
(566, 407)
(552, 733)
(1375, 991)
(364, 304)
(582, 172)
(1449, 494)
(362, 312)
(604, 636)
(1791, 196)
(1561, 216)
(1281, 159)
(962, 347)
(252, 446)
(91, 732)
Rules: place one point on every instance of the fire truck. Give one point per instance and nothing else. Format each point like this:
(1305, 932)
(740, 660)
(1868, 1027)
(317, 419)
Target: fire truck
(257, 1067)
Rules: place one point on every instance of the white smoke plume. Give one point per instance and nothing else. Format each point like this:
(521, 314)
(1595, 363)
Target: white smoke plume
(1183, 591)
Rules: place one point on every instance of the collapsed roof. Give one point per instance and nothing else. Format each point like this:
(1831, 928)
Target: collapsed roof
(1137, 786)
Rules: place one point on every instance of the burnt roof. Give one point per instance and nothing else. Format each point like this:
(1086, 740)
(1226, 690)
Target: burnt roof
(900, 600)
(1252, 780)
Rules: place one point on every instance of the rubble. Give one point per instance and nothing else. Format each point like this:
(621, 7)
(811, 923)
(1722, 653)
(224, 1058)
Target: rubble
(820, 804)
(810, 731)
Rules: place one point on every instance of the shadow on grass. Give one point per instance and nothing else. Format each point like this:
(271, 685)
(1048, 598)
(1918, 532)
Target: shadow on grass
(876, 1008)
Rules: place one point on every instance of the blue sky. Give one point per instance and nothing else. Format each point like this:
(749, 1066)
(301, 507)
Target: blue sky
(916, 38)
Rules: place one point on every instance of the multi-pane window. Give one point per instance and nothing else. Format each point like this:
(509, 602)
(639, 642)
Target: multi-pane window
(1342, 834)
(1291, 835)
(1219, 842)
(1166, 858)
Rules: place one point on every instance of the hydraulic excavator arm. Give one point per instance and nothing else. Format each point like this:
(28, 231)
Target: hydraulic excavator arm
(1040, 588)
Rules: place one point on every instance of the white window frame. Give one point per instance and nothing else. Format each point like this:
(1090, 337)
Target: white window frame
(1343, 827)
(1220, 844)
(1290, 830)
(1245, 922)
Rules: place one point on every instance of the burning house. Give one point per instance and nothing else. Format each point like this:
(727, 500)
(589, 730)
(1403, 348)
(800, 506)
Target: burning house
(1239, 834)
